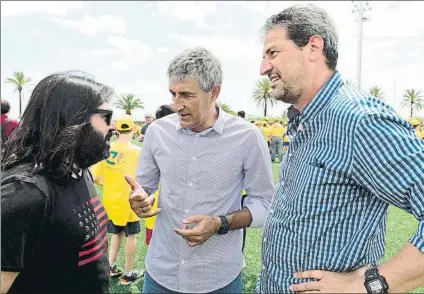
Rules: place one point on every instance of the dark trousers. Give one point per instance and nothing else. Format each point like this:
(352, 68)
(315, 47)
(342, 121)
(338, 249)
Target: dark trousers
(151, 286)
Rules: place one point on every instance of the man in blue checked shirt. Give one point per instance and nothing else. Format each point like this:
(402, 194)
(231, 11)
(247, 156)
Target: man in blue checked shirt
(326, 226)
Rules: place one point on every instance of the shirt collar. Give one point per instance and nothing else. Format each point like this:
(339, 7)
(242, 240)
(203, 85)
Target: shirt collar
(321, 99)
(217, 127)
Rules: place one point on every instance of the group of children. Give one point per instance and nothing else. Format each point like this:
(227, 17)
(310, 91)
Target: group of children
(274, 132)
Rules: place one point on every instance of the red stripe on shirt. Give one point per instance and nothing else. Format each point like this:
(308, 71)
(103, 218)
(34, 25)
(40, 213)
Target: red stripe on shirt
(95, 248)
(91, 259)
(104, 222)
(98, 207)
(99, 216)
(92, 200)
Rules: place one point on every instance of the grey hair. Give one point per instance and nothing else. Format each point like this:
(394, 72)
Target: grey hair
(199, 64)
(302, 22)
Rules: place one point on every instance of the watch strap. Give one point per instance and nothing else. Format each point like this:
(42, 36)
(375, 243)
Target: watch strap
(372, 274)
(224, 226)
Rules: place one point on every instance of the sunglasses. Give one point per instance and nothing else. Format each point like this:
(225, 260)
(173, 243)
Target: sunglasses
(105, 114)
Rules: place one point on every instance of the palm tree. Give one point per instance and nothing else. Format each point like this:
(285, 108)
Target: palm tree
(19, 80)
(377, 92)
(129, 102)
(413, 100)
(262, 94)
(227, 108)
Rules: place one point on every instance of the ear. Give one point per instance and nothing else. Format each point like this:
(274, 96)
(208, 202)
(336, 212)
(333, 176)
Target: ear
(215, 93)
(316, 48)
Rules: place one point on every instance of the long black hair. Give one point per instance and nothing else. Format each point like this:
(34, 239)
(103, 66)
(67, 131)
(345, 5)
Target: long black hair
(47, 136)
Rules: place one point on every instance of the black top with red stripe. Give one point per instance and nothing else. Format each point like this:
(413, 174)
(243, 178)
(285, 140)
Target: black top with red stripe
(57, 240)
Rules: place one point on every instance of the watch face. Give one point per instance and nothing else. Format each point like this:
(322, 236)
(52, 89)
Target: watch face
(375, 286)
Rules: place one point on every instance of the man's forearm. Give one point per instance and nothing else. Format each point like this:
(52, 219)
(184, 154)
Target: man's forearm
(240, 219)
(405, 271)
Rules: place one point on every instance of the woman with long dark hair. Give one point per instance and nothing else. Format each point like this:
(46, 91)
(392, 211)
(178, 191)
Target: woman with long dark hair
(53, 223)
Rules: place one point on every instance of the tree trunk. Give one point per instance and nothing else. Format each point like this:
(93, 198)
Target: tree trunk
(128, 112)
(412, 110)
(265, 108)
(20, 104)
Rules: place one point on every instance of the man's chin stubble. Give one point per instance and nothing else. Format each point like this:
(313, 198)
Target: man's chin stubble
(283, 97)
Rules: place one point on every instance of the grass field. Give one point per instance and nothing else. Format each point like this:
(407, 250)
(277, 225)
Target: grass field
(399, 228)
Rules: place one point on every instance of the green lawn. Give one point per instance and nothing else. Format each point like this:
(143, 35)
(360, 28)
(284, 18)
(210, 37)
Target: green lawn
(399, 228)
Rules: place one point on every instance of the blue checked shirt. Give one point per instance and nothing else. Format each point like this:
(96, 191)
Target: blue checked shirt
(350, 156)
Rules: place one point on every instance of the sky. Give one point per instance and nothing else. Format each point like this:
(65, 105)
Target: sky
(129, 45)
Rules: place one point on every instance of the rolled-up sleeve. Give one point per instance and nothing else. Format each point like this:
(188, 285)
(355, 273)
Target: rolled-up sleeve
(148, 174)
(258, 178)
(389, 162)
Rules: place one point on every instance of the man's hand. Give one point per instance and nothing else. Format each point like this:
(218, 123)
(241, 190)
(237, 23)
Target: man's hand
(204, 227)
(331, 282)
(140, 202)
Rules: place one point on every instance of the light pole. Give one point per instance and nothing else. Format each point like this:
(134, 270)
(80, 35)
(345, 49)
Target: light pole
(359, 10)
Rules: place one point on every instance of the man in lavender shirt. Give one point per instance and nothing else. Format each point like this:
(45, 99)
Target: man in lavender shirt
(203, 159)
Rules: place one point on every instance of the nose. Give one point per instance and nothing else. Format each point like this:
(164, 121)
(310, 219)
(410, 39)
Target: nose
(266, 66)
(176, 106)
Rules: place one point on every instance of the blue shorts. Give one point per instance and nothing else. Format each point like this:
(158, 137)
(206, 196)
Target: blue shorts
(131, 228)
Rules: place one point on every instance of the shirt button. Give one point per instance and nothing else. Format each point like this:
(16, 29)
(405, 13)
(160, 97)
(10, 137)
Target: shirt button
(194, 158)
(290, 154)
(190, 184)
(187, 211)
(271, 211)
(263, 267)
(264, 239)
(182, 261)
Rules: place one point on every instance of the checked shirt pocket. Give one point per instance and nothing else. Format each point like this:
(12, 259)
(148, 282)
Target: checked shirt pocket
(325, 189)
(321, 174)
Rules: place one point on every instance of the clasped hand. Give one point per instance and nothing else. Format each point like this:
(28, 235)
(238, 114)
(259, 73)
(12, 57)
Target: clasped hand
(204, 227)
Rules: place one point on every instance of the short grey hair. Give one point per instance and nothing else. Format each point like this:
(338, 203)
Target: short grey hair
(199, 64)
(302, 22)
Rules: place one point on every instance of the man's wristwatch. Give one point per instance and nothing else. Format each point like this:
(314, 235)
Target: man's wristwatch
(374, 282)
(225, 225)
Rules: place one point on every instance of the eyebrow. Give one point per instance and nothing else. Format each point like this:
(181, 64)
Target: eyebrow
(272, 47)
(182, 92)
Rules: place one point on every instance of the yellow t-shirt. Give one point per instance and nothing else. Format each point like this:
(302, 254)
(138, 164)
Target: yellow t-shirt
(277, 130)
(122, 161)
(265, 132)
(150, 221)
